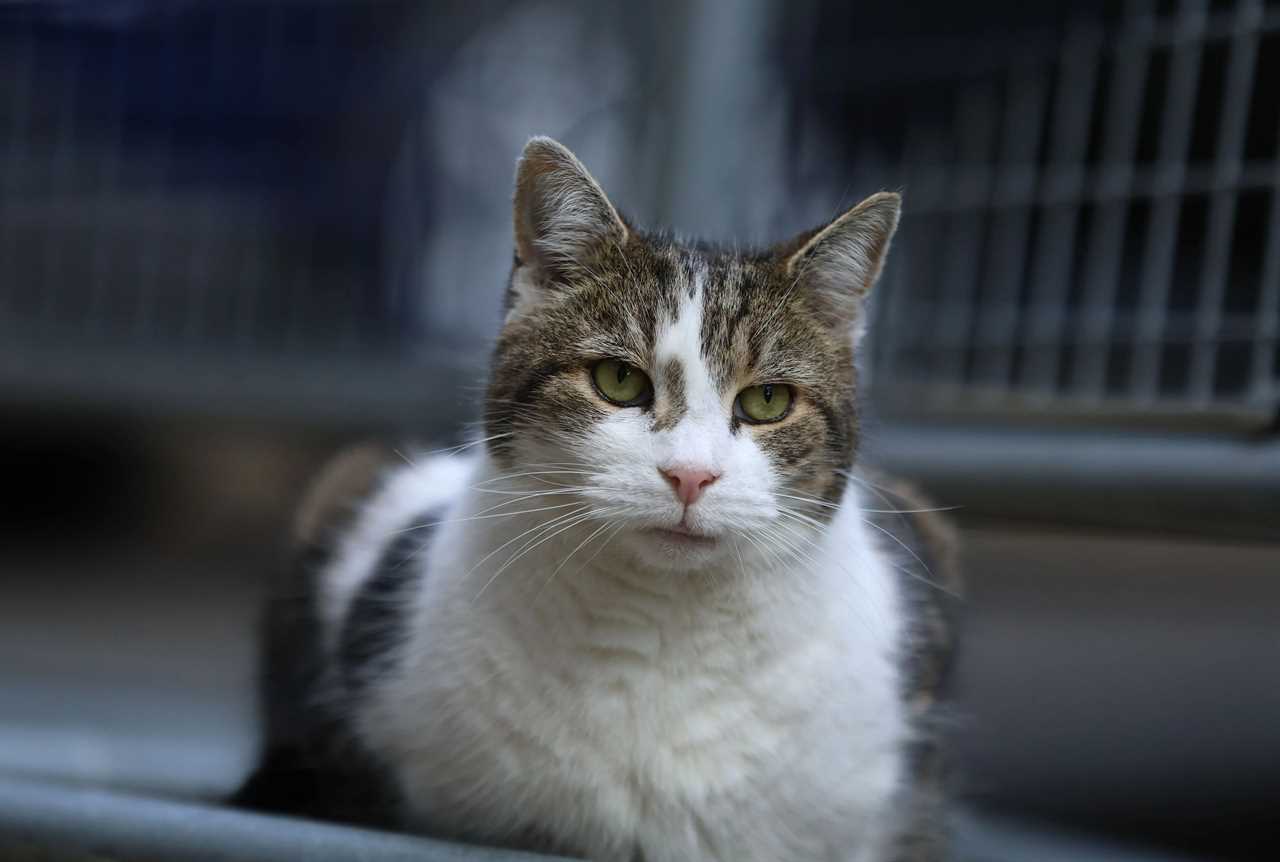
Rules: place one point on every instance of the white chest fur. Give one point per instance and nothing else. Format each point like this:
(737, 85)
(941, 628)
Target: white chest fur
(736, 715)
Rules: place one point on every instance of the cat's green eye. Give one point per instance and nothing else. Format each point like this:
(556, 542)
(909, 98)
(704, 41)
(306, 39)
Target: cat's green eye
(622, 384)
(767, 403)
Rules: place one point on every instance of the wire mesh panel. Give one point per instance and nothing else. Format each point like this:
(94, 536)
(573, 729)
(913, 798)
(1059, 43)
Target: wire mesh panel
(159, 189)
(269, 181)
(1097, 230)
(1092, 217)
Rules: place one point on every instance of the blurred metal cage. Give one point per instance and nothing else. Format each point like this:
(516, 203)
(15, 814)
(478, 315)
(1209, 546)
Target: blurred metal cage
(1096, 233)
(196, 191)
(256, 205)
(155, 188)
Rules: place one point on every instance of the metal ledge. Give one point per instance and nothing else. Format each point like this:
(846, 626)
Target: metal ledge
(1207, 485)
(61, 819)
(49, 821)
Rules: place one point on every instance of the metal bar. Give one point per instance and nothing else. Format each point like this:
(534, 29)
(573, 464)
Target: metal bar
(1024, 120)
(265, 226)
(1056, 238)
(717, 78)
(204, 223)
(148, 286)
(252, 282)
(882, 305)
(59, 818)
(1265, 378)
(1180, 328)
(978, 121)
(995, 838)
(894, 336)
(1218, 26)
(15, 152)
(877, 310)
(1099, 186)
(1163, 477)
(886, 303)
(1162, 230)
(1237, 93)
(1106, 237)
(108, 189)
(61, 182)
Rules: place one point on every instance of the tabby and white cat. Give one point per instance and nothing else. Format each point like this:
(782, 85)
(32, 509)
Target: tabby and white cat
(653, 614)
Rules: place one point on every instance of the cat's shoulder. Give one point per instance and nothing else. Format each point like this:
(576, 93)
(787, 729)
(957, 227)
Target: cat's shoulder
(331, 620)
(926, 551)
(371, 482)
(371, 510)
(331, 500)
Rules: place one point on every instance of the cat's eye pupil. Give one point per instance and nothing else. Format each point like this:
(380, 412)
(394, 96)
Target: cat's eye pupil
(621, 383)
(765, 402)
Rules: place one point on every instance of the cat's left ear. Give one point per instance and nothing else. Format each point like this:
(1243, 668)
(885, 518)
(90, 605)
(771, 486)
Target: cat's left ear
(841, 262)
(562, 216)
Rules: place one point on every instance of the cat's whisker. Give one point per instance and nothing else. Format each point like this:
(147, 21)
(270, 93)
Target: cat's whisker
(880, 491)
(909, 511)
(802, 518)
(523, 496)
(537, 531)
(770, 554)
(826, 504)
(618, 527)
(539, 540)
(789, 542)
(451, 450)
(480, 518)
(917, 576)
(906, 569)
(926, 579)
(838, 564)
(813, 501)
(801, 542)
(509, 476)
(597, 531)
(550, 521)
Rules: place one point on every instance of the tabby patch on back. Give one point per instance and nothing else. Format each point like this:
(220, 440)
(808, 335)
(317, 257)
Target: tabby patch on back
(655, 613)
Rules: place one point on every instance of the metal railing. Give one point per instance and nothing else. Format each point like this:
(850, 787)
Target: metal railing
(1098, 232)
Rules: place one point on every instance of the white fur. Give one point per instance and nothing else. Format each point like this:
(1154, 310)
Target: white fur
(404, 494)
(615, 690)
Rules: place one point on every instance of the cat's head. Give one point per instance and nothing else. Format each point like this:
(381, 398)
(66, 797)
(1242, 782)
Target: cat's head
(699, 401)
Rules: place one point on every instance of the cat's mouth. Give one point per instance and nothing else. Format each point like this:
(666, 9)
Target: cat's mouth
(682, 536)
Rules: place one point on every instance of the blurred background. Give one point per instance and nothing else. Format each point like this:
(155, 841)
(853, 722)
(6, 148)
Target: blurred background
(236, 236)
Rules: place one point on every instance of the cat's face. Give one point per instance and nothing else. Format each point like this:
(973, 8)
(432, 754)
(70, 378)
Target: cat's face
(699, 404)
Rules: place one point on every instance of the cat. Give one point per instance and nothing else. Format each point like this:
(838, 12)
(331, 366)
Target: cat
(654, 613)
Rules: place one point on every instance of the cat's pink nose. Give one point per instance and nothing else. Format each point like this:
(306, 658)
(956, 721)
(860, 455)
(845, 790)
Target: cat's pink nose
(688, 484)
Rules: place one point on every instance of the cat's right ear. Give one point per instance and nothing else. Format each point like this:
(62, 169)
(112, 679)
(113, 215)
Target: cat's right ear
(561, 214)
